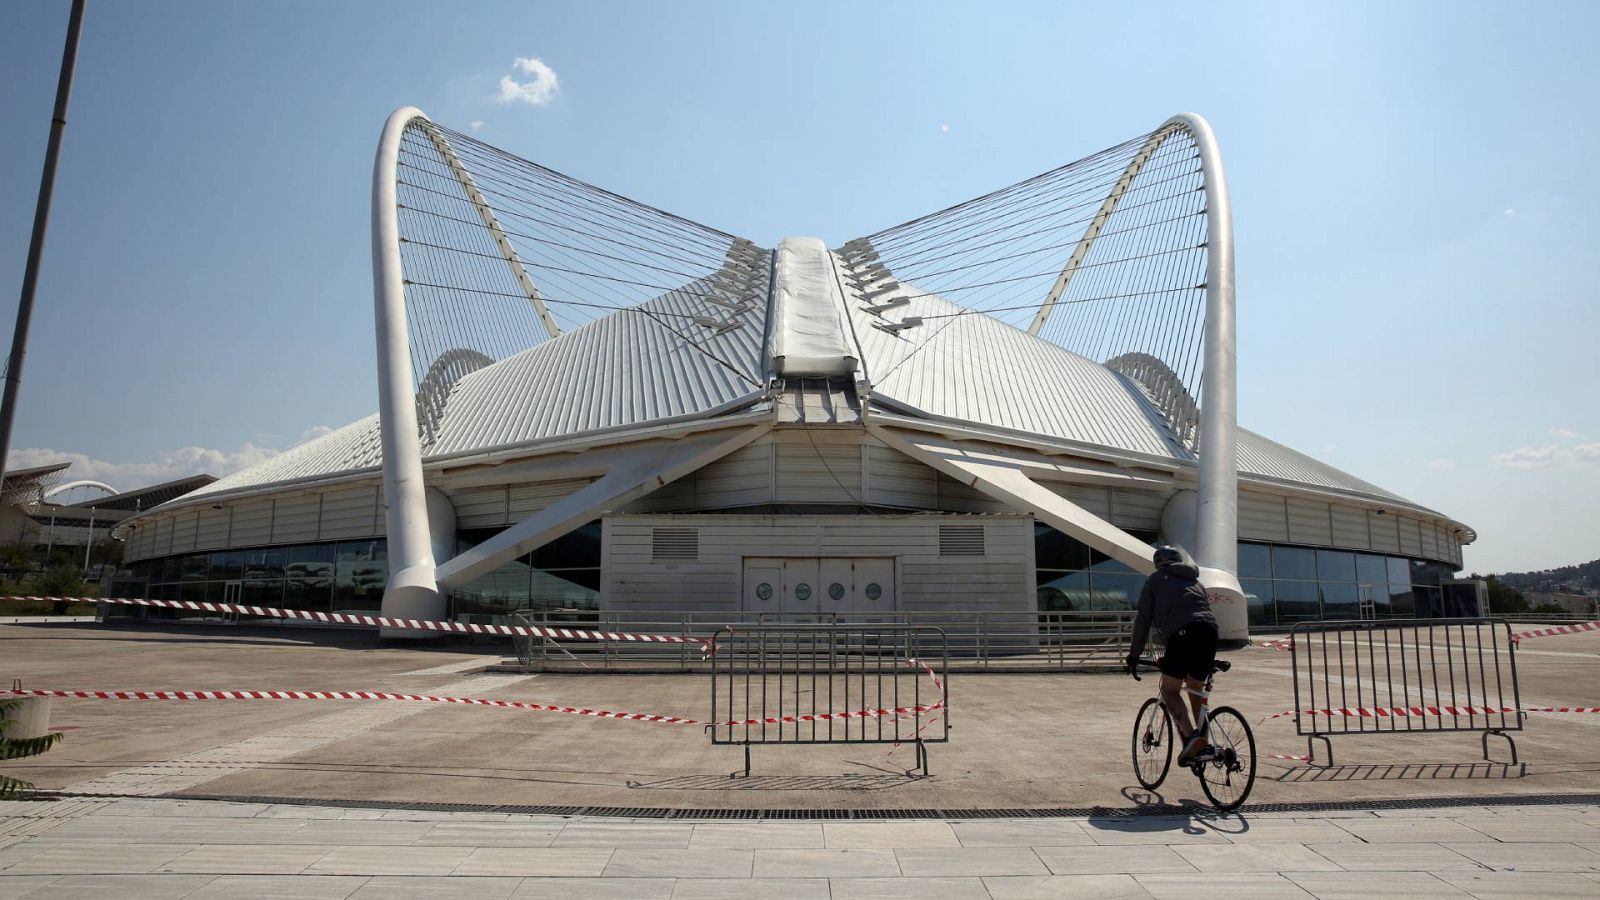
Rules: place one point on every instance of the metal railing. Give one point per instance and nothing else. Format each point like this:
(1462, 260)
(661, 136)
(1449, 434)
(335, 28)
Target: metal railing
(977, 641)
(1405, 676)
(830, 684)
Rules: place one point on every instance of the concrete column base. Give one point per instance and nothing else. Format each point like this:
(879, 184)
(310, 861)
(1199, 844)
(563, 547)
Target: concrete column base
(30, 718)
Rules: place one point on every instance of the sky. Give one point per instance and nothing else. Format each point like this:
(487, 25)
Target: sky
(1416, 211)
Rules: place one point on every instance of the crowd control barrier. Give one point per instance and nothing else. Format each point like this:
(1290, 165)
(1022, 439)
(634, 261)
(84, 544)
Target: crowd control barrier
(830, 684)
(1405, 676)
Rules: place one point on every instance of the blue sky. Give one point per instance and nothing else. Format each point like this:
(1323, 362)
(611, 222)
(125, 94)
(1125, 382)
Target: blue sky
(1414, 199)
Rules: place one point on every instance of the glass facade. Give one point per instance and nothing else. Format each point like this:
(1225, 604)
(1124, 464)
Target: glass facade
(1283, 584)
(342, 576)
(563, 575)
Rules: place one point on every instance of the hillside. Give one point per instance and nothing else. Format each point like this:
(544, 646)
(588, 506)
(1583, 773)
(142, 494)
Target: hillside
(1583, 578)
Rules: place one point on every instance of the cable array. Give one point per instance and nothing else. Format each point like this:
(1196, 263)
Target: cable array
(1105, 257)
(501, 254)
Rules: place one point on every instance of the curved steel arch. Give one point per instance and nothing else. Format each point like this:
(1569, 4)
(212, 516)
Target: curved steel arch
(63, 488)
(1216, 513)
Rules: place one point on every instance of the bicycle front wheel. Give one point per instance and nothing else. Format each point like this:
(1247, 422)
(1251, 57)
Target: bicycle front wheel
(1152, 744)
(1229, 771)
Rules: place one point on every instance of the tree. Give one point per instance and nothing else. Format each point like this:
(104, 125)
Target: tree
(1505, 600)
(17, 748)
(60, 580)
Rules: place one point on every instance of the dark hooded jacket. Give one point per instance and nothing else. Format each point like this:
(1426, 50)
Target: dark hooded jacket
(1172, 598)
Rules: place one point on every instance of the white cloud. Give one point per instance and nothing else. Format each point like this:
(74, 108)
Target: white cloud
(170, 465)
(477, 124)
(540, 88)
(1509, 213)
(1547, 456)
(1565, 434)
(945, 128)
(1441, 464)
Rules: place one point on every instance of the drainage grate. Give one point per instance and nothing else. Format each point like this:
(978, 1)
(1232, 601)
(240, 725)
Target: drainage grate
(648, 812)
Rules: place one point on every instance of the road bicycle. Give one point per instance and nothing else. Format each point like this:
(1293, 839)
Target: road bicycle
(1226, 768)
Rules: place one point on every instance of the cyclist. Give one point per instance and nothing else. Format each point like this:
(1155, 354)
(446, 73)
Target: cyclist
(1175, 603)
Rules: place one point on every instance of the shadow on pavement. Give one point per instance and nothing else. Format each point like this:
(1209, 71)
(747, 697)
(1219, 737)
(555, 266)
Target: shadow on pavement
(1439, 771)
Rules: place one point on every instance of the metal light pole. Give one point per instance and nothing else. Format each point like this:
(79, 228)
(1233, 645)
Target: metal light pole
(88, 545)
(41, 221)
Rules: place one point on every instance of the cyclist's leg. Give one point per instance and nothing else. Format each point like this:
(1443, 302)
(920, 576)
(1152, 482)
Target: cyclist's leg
(1172, 698)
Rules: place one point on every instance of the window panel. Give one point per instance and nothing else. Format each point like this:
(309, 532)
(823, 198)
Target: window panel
(1336, 565)
(1339, 600)
(1294, 562)
(1255, 561)
(1399, 570)
(1258, 600)
(1054, 550)
(1115, 590)
(1402, 605)
(1063, 591)
(227, 565)
(1372, 569)
(1296, 600)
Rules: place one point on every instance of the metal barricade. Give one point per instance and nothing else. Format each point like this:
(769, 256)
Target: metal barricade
(1405, 676)
(830, 684)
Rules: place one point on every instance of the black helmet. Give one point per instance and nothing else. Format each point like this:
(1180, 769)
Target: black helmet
(1166, 555)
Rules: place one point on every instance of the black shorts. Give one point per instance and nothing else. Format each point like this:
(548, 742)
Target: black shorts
(1190, 652)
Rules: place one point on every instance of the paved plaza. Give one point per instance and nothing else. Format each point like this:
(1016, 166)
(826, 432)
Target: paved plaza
(1399, 815)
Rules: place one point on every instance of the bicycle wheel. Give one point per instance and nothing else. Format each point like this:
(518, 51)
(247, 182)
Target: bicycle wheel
(1152, 744)
(1229, 770)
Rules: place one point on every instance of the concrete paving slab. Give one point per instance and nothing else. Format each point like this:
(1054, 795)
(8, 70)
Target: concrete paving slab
(970, 861)
(1151, 830)
(1426, 831)
(826, 864)
(1021, 833)
(907, 889)
(632, 862)
(1284, 831)
(435, 888)
(1065, 887)
(1541, 829)
(369, 860)
(488, 834)
(280, 887)
(1531, 857)
(120, 887)
(593, 889)
(99, 859)
(1123, 860)
(757, 836)
(534, 862)
(1397, 857)
(1234, 887)
(1519, 885)
(869, 835)
(1367, 885)
(226, 859)
(744, 888)
(622, 834)
(14, 886)
(1234, 858)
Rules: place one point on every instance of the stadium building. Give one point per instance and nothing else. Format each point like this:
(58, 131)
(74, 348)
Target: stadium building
(586, 403)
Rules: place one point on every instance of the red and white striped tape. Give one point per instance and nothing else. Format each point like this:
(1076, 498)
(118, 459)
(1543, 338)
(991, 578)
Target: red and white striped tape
(1402, 712)
(1574, 628)
(576, 634)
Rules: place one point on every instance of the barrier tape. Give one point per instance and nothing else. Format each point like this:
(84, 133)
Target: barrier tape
(1401, 712)
(881, 712)
(581, 634)
(1574, 628)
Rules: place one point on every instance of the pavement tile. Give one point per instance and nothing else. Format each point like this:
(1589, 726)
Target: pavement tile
(389, 887)
(907, 889)
(1234, 887)
(1240, 858)
(743, 888)
(118, 830)
(1535, 829)
(975, 861)
(1400, 857)
(16, 853)
(623, 834)
(774, 836)
(279, 887)
(826, 864)
(120, 887)
(1367, 885)
(14, 886)
(99, 859)
(1152, 830)
(488, 834)
(1021, 834)
(1118, 860)
(1287, 832)
(1517, 885)
(888, 835)
(1530, 857)
(634, 862)
(252, 859)
(593, 889)
(1065, 887)
(1427, 831)
(364, 860)
(571, 862)
(287, 811)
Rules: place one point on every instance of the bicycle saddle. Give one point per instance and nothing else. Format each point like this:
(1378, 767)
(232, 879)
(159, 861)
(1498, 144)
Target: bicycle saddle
(1221, 665)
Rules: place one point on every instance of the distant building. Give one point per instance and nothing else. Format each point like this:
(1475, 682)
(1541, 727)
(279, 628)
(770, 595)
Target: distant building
(1577, 604)
(71, 524)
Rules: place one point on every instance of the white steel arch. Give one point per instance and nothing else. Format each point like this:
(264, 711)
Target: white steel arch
(63, 488)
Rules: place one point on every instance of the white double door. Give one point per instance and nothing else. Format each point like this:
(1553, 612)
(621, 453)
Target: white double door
(810, 586)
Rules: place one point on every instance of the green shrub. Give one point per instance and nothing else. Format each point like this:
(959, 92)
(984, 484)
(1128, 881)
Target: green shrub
(18, 748)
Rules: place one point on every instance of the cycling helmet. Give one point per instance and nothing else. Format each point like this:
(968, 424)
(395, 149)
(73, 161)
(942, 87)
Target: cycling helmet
(1166, 555)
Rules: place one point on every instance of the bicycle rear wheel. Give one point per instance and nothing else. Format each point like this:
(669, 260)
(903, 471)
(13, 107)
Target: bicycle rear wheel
(1152, 744)
(1229, 771)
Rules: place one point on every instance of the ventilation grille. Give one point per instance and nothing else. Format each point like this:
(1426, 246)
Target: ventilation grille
(675, 543)
(960, 540)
